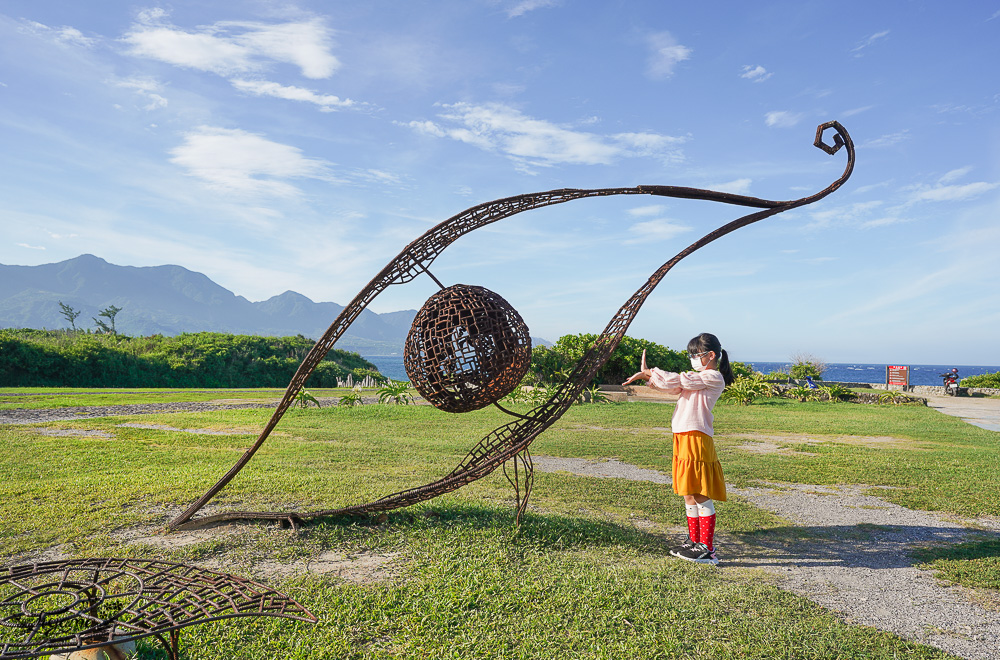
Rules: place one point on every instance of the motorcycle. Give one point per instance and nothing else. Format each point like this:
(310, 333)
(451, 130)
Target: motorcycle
(951, 382)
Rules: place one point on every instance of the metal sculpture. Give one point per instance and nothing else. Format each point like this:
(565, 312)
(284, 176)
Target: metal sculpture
(467, 348)
(510, 441)
(63, 606)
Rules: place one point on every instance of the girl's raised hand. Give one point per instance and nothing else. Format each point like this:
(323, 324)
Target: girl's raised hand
(643, 374)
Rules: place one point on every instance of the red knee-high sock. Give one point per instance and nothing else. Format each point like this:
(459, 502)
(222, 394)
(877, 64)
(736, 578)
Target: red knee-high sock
(694, 526)
(706, 524)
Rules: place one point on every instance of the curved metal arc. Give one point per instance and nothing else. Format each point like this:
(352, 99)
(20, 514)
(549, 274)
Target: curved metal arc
(436, 239)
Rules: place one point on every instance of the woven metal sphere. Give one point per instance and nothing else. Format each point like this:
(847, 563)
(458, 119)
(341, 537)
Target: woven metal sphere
(467, 348)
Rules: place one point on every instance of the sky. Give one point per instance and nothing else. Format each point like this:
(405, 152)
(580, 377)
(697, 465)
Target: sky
(300, 146)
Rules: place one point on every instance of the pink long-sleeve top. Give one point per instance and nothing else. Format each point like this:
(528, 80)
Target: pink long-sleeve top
(698, 390)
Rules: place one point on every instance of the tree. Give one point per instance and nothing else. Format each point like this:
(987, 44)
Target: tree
(70, 314)
(109, 313)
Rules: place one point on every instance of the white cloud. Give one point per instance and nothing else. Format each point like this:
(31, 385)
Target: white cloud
(652, 209)
(231, 47)
(884, 221)
(736, 186)
(524, 6)
(326, 102)
(655, 230)
(60, 236)
(888, 140)
(31, 247)
(665, 54)
(66, 36)
(868, 41)
(996, 14)
(782, 118)
(530, 141)
(856, 111)
(148, 89)
(955, 174)
(953, 193)
(755, 73)
(240, 162)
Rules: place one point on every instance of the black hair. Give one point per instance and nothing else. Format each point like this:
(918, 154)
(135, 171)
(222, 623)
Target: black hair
(709, 342)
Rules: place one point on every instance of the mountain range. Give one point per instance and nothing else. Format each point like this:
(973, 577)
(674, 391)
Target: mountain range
(169, 300)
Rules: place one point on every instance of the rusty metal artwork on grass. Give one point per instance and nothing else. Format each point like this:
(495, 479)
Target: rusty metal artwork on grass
(466, 371)
(63, 606)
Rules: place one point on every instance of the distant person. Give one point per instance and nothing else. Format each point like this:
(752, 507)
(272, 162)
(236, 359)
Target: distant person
(811, 384)
(696, 469)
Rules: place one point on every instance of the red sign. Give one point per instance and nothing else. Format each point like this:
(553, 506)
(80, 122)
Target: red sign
(897, 375)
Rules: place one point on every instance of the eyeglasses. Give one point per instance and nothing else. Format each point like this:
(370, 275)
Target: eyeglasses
(698, 355)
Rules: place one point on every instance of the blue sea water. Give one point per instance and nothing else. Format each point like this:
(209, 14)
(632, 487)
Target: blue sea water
(920, 374)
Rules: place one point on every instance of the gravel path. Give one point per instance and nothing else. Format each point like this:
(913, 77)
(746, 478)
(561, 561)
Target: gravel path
(858, 564)
(30, 416)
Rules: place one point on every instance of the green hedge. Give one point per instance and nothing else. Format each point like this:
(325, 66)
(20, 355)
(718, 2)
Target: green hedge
(554, 364)
(982, 380)
(56, 358)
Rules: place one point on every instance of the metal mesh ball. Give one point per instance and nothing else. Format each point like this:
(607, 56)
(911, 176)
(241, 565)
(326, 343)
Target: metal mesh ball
(467, 348)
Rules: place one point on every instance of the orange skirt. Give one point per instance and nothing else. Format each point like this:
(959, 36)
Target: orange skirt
(697, 470)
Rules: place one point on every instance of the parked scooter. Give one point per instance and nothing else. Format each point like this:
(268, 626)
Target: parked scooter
(951, 382)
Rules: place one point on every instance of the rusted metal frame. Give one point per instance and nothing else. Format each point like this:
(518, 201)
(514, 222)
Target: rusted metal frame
(165, 597)
(435, 240)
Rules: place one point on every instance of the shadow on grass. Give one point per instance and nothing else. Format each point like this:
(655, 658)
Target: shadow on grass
(543, 531)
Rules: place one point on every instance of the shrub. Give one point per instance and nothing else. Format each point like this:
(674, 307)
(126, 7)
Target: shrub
(982, 380)
(805, 365)
(550, 365)
(745, 389)
(395, 391)
(43, 358)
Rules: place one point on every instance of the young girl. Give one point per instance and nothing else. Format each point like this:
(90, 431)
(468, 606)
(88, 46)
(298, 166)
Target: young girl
(696, 469)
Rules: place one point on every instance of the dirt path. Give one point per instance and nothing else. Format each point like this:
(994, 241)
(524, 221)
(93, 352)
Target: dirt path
(978, 411)
(857, 560)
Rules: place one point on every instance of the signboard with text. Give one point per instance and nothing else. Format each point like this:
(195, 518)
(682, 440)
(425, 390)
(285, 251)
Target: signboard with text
(897, 375)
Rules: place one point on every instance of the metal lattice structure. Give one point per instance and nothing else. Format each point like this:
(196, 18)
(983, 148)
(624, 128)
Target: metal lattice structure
(467, 348)
(510, 441)
(64, 606)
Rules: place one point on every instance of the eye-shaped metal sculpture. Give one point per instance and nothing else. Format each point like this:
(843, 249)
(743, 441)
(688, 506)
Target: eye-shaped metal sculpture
(459, 369)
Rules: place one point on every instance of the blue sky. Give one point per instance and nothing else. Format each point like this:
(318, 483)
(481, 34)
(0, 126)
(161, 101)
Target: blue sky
(302, 145)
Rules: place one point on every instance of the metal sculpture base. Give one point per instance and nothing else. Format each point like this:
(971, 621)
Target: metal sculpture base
(509, 441)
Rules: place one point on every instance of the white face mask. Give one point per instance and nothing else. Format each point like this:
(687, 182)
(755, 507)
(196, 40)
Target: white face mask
(697, 365)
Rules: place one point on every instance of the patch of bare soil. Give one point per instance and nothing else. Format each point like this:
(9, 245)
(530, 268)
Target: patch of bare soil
(849, 551)
(777, 444)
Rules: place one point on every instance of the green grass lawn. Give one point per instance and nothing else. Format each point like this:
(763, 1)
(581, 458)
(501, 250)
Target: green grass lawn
(587, 575)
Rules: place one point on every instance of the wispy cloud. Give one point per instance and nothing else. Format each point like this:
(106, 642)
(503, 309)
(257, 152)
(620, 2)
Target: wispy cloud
(736, 186)
(782, 119)
(660, 229)
(755, 73)
(888, 140)
(996, 14)
(664, 55)
(148, 89)
(868, 41)
(955, 175)
(953, 193)
(645, 211)
(230, 48)
(326, 102)
(856, 111)
(65, 36)
(31, 247)
(529, 141)
(524, 6)
(236, 161)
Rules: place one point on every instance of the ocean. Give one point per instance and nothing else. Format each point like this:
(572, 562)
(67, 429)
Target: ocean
(920, 374)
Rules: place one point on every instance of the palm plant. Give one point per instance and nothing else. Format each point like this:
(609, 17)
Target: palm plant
(395, 391)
